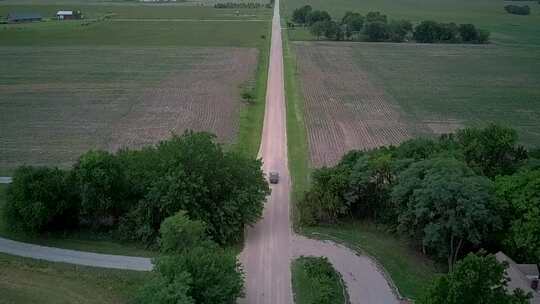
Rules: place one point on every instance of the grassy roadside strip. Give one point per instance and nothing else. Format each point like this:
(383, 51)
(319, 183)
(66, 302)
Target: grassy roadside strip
(314, 280)
(296, 131)
(252, 115)
(409, 270)
(81, 240)
(25, 280)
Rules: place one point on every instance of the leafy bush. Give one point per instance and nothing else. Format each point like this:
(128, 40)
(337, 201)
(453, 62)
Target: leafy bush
(432, 32)
(317, 16)
(179, 233)
(324, 281)
(41, 199)
(517, 9)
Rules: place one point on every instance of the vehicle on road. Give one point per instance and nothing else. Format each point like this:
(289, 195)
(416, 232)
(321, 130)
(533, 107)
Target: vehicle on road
(273, 177)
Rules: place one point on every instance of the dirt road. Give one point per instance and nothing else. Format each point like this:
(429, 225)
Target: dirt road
(266, 255)
(271, 244)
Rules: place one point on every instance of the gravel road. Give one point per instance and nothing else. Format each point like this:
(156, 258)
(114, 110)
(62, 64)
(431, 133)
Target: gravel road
(270, 244)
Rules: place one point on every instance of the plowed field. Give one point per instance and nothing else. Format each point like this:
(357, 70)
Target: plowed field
(57, 103)
(344, 110)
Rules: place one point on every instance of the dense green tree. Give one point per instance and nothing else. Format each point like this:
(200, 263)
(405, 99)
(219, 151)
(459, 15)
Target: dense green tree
(491, 151)
(102, 185)
(468, 32)
(352, 23)
(178, 233)
(41, 199)
(399, 30)
(324, 202)
(316, 16)
(445, 205)
(172, 289)
(448, 32)
(427, 32)
(521, 195)
(300, 15)
(477, 279)
(225, 190)
(377, 31)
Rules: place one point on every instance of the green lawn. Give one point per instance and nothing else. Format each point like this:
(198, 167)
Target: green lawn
(307, 288)
(409, 270)
(31, 281)
(296, 132)
(487, 14)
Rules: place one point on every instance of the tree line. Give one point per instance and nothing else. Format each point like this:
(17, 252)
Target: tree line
(129, 193)
(518, 9)
(376, 27)
(453, 195)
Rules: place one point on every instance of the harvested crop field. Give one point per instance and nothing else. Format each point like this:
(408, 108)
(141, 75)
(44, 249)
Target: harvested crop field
(343, 109)
(58, 102)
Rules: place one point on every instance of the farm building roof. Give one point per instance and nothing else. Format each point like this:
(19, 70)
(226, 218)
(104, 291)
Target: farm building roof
(65, 13)
(519, 278)
(23, 16)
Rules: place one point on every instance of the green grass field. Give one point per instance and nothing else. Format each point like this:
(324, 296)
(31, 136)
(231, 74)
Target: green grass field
(466, 85)
(31, 281)
(307, 289)
(410, 271)
(505, 28)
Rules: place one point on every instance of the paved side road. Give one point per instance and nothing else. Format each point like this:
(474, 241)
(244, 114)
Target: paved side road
(74, 256)
(5, 180)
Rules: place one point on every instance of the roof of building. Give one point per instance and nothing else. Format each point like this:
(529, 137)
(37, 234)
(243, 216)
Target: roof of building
(518, 279)
(22, 16)
(64, 13)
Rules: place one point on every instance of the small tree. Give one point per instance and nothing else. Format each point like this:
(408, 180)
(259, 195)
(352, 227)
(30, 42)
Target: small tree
(399, 30)
(179, 233)
(477, 279)
(376, 17)
(353, 23)
(427, 32)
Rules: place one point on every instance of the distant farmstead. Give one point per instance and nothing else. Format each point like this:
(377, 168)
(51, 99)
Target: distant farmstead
(65, 15)
(24, 17)
(68, 15)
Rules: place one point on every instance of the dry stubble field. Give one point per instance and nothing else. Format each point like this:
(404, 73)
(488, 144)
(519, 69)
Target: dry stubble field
(58, 102)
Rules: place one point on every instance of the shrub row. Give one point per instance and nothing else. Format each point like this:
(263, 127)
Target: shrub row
(132, 191)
